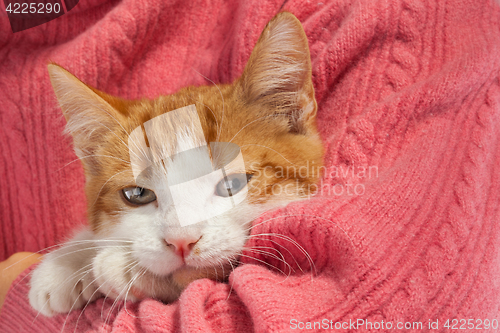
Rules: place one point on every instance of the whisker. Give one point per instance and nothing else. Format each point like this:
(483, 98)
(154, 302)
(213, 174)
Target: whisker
(254, 144)
(262, 261)
(284, 247)
(232, 283)
(124, 130)
(65, 254)
(114, 133)
(115, 302)
(106, 296)
(222, 97)
(213, 114)
(97, 196)
(306, 254)
(253, 121)
(139, 275)
(282, 259)
(74, 303)
(63, 245)
(308, 215)
(273, 115)
(90, 298)
(88, 156)
(290, 269)
(60, 286)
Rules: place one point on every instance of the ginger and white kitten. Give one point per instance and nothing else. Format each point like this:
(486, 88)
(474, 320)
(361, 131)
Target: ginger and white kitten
(134, 246)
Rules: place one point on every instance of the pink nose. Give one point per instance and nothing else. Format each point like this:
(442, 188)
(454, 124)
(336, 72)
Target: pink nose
(182, 246)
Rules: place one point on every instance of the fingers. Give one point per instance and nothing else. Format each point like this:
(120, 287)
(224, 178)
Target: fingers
(12, 267)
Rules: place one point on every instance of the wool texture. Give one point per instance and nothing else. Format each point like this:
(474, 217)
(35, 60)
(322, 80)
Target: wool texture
(405, 227)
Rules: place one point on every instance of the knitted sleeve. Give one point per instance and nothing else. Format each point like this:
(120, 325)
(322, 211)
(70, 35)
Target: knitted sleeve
(404, 228)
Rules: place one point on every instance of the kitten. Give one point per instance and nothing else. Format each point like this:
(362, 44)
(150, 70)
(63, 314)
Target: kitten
(136, 244)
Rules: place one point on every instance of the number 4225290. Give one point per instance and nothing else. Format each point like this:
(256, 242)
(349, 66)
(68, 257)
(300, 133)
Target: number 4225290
(471, 324)
(32, 8)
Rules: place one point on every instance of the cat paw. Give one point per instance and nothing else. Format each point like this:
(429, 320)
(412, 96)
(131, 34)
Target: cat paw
(63, 281)
(60, 286)
(115, 273)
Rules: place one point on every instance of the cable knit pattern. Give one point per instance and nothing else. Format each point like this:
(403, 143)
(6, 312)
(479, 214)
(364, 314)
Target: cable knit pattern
(408, 91)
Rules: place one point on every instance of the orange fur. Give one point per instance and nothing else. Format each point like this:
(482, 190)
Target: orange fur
(269, 112)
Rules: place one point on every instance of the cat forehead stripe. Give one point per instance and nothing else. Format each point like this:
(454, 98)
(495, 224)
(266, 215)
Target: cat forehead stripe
(160, 132)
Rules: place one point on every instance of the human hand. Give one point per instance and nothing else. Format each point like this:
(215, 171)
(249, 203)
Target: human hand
(12, 267)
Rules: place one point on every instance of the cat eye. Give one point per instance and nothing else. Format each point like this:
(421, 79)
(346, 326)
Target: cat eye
(138, 195)
(232, 184)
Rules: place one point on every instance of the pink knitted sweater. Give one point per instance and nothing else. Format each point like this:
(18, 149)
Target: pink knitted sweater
(406, 230)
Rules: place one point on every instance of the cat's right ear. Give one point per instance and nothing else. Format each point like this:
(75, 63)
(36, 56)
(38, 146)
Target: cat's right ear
(89, 116)
(278, 74)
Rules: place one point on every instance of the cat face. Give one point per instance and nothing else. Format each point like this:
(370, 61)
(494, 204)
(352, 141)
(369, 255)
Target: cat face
(268, 114)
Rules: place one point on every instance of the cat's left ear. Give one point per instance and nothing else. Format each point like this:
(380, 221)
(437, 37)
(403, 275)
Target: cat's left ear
(278, 74)
(90, 114)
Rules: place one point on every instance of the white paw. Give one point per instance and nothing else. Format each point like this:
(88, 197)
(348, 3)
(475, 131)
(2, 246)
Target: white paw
(119, 276)
(63, 281)
(116, 273)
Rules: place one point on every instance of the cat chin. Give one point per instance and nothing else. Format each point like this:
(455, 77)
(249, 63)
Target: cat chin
(168, 288)
(176, 268)
(186, 274)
